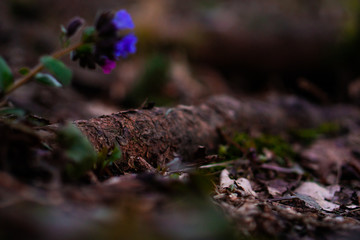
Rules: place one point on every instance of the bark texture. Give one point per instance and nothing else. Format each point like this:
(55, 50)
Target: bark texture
(158, 135)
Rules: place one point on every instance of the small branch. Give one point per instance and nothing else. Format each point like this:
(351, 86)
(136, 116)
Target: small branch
(67, 50)
(18, 83)
(224, 164)
(158, 135)
(24, 79)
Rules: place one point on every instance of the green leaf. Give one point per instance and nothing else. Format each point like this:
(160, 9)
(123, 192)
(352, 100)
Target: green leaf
(78, 149)
(12, 111)
(113, 155)
(47, 79)
(63, 39)
(107, 156)
(86, 48)
(58, 68)
(6, 77)
(88, 35)
(24, 70)
(63, 29)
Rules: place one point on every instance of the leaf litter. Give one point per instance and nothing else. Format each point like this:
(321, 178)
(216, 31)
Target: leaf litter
(309, 195)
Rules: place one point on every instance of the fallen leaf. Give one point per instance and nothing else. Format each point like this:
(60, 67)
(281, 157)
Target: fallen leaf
(245, 186)
(309, 201)
(326, 157)
(225, 180)
(277, 187)
(319, 194)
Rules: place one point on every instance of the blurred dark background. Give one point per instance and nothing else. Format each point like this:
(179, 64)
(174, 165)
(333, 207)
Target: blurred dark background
(189, 50)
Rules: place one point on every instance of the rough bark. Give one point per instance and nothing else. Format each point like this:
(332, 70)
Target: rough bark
(158, 135)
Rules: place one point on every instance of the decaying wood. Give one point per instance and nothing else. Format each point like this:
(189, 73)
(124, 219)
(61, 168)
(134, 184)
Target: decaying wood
(158, 135)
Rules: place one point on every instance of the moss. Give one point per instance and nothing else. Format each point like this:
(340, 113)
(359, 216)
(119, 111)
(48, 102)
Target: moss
(281, 148)
(244, 140)
(230, 152)
(329, 129)
(308, 135)
(276, 144)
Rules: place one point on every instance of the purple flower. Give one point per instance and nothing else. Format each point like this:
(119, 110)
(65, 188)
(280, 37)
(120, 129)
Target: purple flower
(108, 66)
(108, 42)
(122, 20)
(126, 46)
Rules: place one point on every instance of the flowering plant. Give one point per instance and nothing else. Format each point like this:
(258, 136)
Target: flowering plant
(103, 44)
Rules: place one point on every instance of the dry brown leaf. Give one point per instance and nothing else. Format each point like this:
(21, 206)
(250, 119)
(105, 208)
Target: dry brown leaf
(277, 187)
(325, 157)
(225, 180)
(319, 194)
(245, 186)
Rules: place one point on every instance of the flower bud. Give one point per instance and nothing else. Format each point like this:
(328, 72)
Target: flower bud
(103, 25)
(73, 26)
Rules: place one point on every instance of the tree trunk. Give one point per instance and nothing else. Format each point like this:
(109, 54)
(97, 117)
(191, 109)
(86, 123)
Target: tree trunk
(158, 135)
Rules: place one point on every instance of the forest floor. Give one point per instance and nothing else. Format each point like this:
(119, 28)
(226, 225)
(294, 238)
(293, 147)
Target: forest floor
(259, 184)
(251, 141)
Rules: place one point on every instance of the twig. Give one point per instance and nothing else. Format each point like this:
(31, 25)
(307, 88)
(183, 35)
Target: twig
(224, 163)
(18, 83)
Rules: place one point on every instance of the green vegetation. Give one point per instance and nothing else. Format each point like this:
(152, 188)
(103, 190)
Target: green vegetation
(58, 69)
(308, 135)
(81, 153)
(6, 77)
(277, 145)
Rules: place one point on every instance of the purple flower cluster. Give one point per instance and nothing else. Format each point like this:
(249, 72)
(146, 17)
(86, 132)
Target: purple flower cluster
(109, 43)
(122, 20)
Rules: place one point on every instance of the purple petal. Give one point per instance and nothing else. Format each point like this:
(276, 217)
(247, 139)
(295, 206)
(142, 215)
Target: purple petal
(126, 46)
(108, 66)
(122, 20)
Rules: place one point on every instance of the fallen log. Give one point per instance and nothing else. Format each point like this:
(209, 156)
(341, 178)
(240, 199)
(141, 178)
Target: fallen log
(160, 134)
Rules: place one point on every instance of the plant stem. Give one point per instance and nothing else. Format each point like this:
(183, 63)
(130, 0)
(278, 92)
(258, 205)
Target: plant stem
(21, 81)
